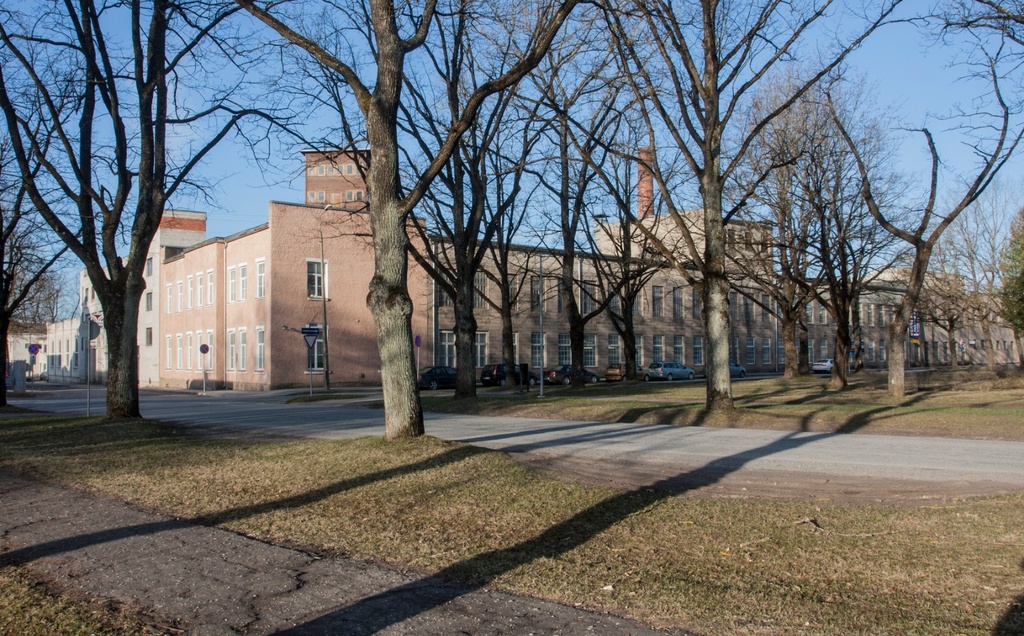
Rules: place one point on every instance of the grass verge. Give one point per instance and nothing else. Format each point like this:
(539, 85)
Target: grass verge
(993, 408)
(725, 566)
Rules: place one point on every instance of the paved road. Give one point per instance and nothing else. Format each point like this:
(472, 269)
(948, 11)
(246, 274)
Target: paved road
(734, 460)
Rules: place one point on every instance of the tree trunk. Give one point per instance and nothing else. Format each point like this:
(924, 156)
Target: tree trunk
(841, 353)
(990, 349)
(897, 356)
(576, 333)
(508, 353)
(789, 343)
(951, 344)
(465, 341)
(121, 323)
(5, 327)
(716, 321)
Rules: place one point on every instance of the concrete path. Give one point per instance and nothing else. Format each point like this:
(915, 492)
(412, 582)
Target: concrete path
(208, 582)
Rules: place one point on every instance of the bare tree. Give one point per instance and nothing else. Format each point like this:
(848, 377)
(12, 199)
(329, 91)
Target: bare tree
(116, 103)
(375, 76)
(933, 218)
(1011, 292)
(693, 68)
(27, 255)
(976, 240)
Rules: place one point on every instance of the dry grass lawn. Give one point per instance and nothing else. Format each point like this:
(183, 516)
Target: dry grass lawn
(722, 566)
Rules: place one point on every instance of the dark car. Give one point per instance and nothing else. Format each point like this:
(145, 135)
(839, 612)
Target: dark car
(437, 378)
(736, 371)
(668, 371)
(494, 375)
(563, 375)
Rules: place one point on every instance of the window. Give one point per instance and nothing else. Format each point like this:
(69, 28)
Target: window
(564, 349)
(751, 353)
(149, 266)
(658, 352)
(446, 349)
(766, 351)
(810, 349)
(480, 349)
(209, 356)
(536, 350)
(260, 344)
(824, 349)
(480, 290)
(881, 350)
(179, 351)
(231, 349)
(657, 296)
(232, 280)
(871, 351)
(587, 302)
(149, 336)
(677, 304)
(189, 283)
(559, 300)
(167, 353)
(515, 346)
(698, 350)
(821, 314)
(209, 287)
(733, 305)
(243, 353)
(169, 296)
(443, 299)
(350, 168)
(809, 312)
(696, 307)
(199, 289)
(678, 354)
(764, 308)
(243, 282)
(590, 350)
(534, 293)
(780, 351)
(181, 295)
(149, 301)
(314, 279)
(188, 350)
(748, 311)
(261, 279)
(614, 352)
(871, 315)
(615, 305)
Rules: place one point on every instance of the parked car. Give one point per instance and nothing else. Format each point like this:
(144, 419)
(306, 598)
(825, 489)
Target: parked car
(822, 366)
(563, 375)
(617, 372)
(736, 371)
(437, 378)
(494, 375)
(668, 371)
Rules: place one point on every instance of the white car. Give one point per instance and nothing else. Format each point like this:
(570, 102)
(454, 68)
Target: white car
(822, 366)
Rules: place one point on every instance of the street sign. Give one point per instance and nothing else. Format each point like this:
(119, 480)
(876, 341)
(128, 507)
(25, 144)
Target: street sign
(310, 338)
(33, 348)
(310, 331)
(94, 330)
(418, 341)
(204, 348)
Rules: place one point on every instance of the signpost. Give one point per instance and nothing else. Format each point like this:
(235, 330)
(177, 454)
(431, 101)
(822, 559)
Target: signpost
(418, 341)
(310, 335)
(204, 349)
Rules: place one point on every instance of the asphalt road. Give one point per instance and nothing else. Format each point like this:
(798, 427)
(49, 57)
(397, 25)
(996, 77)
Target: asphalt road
(730, 461)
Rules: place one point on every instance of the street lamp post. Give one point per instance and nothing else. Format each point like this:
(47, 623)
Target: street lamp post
(323, 299)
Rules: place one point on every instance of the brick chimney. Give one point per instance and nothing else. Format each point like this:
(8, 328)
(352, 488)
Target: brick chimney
(645, 183)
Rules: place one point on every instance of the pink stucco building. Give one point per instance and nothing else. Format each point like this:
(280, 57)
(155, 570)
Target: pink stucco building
(246, 296)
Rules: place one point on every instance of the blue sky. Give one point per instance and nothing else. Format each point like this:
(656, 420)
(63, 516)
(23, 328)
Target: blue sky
(912, 76)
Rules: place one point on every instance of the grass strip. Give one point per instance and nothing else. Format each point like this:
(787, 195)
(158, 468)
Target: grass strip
(725, 566)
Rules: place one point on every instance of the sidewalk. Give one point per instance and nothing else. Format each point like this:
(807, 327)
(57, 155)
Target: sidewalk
(207, 582)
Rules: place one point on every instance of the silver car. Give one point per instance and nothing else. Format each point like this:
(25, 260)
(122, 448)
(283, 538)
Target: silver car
(668, 371)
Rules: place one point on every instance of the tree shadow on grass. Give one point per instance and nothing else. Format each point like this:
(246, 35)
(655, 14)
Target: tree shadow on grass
(381, 611)
(1012, 622)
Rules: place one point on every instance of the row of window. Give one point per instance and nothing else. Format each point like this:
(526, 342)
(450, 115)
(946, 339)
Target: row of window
(324, 169)
(183, 350)
(320, 196)
(663, 348)
(196, 290)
